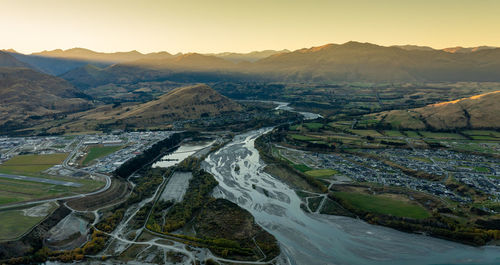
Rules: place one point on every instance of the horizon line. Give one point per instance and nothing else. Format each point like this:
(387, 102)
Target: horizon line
(244, 52)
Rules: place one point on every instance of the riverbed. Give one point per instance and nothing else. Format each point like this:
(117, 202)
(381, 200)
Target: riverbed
(321, 239)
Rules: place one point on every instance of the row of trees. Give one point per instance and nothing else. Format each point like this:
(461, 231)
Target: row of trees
(197, 194)
(437, 225)
(149, 155)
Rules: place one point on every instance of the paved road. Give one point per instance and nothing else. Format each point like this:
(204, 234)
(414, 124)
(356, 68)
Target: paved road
(42, 180)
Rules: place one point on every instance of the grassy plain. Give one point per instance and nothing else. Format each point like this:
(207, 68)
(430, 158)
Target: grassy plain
(31, 165)
(302, 137)
(96, 152)
(321, 173)
(383, 205)
(313, 125)
(13, 223)
(14, 190)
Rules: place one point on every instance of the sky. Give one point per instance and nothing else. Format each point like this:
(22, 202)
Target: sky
(208, 26)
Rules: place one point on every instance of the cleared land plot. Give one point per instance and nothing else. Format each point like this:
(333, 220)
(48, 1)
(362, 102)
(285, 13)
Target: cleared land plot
(13, 223)
(321, 173)
(176, 186)
(96, 152)
(31, 165)
(383, 205)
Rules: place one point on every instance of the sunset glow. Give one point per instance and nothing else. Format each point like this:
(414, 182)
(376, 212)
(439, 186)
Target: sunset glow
(241, 26)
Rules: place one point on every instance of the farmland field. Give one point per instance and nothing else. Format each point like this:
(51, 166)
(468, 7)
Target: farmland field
(302, 137)
(441, 135)
(313, 125)
(321, 173)
(383, 205)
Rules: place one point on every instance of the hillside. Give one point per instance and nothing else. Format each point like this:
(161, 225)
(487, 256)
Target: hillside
(247, 57)
(92, 56)
(7, 60)
(480, 111)
(58, 62)
(189, 102)
(354, 61)
(25, 93)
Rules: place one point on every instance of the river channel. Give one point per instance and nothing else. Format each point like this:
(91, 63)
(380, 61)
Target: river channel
(322, 239)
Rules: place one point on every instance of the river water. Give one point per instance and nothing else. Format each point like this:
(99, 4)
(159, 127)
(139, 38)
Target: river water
(321, 239)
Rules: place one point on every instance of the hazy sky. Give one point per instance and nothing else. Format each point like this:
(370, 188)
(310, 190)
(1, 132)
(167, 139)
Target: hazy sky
(243, 25)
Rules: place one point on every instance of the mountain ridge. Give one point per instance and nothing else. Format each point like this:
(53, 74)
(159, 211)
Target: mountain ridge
(475, 112)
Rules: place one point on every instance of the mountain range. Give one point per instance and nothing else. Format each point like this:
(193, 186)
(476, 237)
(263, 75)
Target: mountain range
(55, 82)
(351, 61)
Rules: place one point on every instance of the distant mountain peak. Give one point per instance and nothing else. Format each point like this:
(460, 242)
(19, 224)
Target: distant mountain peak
(460, 49)
(10, 50)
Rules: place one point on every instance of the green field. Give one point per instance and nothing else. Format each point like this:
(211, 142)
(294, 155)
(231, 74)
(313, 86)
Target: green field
(484, 138)
(14, 190)
(371, 133)
(302, 137)
(482, 169)
(422, 159)
(383, 205)
(31, 165)
(13, 223)
(393, 133)
(313, 125)
(302, 168)
(96, 152)
(321, 173)
(482, 133)
(473, 146)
